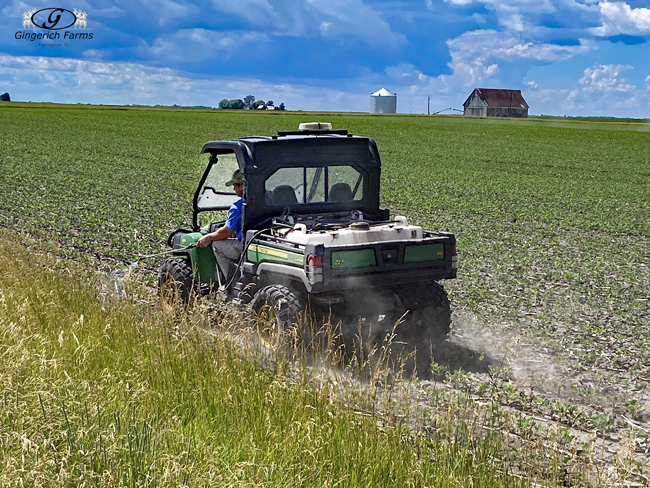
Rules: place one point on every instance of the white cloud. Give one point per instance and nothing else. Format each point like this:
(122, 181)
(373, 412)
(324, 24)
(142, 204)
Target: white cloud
(254, 11)
(93, 54)
(514, 22)
(478, 18)
(355, 19)
(334, 19)
(203, 44)
(600, 91)
(324, 26)
(66, 80)
(620, 18)
(475, 55)
(606, 79)
(536, 6)
(168, 9)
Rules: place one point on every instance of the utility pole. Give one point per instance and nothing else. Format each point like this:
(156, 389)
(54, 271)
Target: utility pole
(428, 104)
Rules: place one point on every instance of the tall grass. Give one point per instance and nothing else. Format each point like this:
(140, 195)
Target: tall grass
(100, 391)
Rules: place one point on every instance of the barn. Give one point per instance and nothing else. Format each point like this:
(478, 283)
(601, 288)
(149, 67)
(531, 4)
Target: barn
(490, 102)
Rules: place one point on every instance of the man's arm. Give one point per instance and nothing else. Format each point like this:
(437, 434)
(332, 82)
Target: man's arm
(220, 234)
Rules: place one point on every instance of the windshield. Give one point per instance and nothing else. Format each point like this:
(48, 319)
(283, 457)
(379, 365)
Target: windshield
(289, 186)
(214, 194)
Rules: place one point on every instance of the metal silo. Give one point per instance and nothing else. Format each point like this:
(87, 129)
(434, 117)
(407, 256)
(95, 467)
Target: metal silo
(383, 102)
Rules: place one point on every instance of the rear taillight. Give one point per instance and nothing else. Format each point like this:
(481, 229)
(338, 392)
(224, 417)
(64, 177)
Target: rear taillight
(454, 264)
(315, 261)
(314, 268)
(453, 249)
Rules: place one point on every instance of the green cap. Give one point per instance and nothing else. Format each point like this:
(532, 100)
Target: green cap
(237, 178)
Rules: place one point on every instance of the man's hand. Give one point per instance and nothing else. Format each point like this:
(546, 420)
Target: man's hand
(220, 234)
(204, 241)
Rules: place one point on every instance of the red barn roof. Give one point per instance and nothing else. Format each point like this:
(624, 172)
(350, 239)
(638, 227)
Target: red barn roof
(500, 98)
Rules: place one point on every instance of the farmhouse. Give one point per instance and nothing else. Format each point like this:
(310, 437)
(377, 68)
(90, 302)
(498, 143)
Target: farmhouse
(490, 102)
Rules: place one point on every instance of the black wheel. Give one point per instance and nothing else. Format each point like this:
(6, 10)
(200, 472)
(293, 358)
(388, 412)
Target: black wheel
(176, 281)
(277, 307)
(429, 319)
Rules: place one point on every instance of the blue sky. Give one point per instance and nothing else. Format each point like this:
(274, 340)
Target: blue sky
(569, 57)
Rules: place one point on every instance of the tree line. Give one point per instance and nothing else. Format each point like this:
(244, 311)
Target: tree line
(249, 103)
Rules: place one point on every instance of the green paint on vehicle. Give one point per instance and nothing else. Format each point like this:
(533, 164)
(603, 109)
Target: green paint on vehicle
(357, 258)
(260, 254)
(424, 253)
(204, 264)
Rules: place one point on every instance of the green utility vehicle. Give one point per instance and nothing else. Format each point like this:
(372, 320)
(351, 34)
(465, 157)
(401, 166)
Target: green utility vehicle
(315, 237)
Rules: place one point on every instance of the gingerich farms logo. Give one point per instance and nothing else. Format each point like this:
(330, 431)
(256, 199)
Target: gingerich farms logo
(54, 24)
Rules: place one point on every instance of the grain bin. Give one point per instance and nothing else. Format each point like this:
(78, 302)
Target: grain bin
(383, 102)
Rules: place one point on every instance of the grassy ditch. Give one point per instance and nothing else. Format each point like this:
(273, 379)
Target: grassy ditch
(104, 392)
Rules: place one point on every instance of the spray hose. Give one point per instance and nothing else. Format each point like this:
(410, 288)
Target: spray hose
(164, 253)
(243, 255)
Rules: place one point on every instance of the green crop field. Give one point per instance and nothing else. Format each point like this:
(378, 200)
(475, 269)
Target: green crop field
(552, 219)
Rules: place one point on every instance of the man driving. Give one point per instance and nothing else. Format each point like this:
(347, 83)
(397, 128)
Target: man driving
(227, 240)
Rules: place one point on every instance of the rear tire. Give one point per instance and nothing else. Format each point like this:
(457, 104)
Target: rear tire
(278, 305)
(429, 319)
(176, 282)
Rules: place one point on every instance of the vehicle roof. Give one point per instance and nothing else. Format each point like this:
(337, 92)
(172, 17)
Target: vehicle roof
(250, 141)
(296, 147)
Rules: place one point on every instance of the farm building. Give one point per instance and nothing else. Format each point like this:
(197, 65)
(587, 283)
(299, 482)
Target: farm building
(383, 102)
(490, 102)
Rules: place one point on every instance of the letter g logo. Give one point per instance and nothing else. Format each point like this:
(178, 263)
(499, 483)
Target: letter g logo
(50, 18)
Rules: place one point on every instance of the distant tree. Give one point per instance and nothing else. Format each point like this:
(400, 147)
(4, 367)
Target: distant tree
(236, 104)
(248, 101)
(281, 107)
(5, 97)
(269, 103)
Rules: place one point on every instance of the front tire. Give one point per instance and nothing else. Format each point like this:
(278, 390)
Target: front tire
(176, 282)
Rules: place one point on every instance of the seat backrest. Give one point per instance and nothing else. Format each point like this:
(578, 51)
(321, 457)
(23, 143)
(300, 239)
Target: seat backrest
(341, 192)
(284, 195)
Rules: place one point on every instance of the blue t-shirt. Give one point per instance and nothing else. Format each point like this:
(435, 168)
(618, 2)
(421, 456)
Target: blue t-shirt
(233, 221)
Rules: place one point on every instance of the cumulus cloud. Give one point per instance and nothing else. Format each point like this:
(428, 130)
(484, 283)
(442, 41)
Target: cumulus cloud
(619, 18)
(538, 19)
(600, 91)
(475, 56)
(606, 79)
